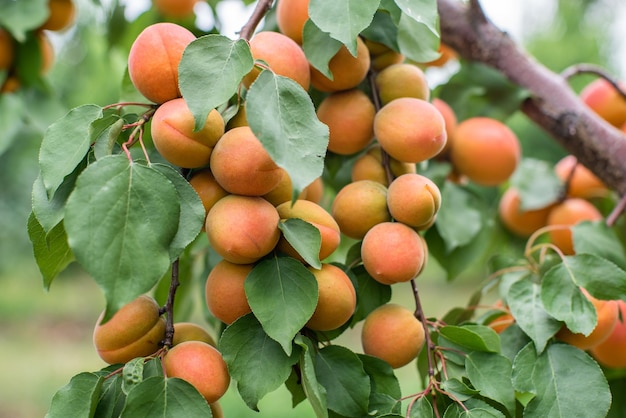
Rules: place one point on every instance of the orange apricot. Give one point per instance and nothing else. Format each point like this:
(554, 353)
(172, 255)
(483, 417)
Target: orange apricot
(612, 351)
(392, 333)
(7, 50)
(189, 331)
(447, 54)
(314, 192)
(402, 80)
(62, 15)
(582, 183)
(521, 222)
(601, 97)
(283, 192)
(369, 166)
(347, 70)
(177, 9)
(381, 56)
(240, 118)
(485, 150)
(242, 229)
(291, 15)
(224, 292)
(566, 214)
(410, 130)
(503, 321)
(413, 200)
(450, 121)
(359, 206)
(153, 60)
(47, 52)
(349, 116)
(337, 299)
(207, 188)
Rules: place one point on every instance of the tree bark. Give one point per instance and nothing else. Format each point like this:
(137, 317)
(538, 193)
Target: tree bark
(553, 105)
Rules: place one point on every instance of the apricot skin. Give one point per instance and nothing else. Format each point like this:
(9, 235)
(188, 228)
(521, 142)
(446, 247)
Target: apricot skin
(224, 292)
(314, 192)
(207, 188)
(291, 15)
(175, 8)
(521, 222)
(7, 50)
(402, 80)
(583, 183)
(612, 351)
(413, 200)
(153, 60)
(62, 15)
(189, 331)
(601, 97)
(450, 122)
(348, 71)
(369, 166)
(569, 213)
(337, 299)
(392, 333)
(359, 206)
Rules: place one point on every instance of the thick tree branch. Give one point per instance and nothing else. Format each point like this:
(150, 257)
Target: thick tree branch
(552, 103)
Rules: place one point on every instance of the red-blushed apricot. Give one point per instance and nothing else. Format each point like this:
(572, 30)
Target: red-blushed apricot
(224, 292)
(359, 206)
(283, 192)
(447, 54)
(314, 192)
(7, 50)
(521, 222)
(381, 56)
(566, 214)
(402, 80)
(337, 299)
(392, 333)
(612, 351)
(135, 330)
(503, 321)
(369, 166)
(450, 122)
(153, 60)
(607, 312)
(601, 97)
(189, 331)
(207, 188)
(201, 365)
(62, 15)
(318, 217)
(175, 8)
(46, 50)
(291, 15)
(241, 165)
(349, 116)
(393, 252)
(348, 71)
(410, 130)
(485, 150)
(413, 199)
(174, 136)
(283, 56)
(242, 229)
(582, 183)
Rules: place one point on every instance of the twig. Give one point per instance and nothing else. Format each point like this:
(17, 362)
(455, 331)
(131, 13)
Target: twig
(419, 314)
(617, 211)
(169, 306)
(385, 159)
(261, 9)
(584, 68)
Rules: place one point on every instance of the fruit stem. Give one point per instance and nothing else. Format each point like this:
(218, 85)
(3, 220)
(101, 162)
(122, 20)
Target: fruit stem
(371, 78)
(419, 314)
(261, 9)
(169, 306)
(617, 211)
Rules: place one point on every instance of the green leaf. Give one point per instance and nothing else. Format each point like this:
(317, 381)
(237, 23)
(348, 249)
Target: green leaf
(347, 385)
(370, 293)
(421, 409)
(165, 397)
(537, 184)
(132, 374)
(598, 239)
(50, 212)
(105, 138)
(523, 367)
(490, 373)
(257, 362)
(112, 399)
(459, 389)
(473, 337)
(304, 238)
(120, 221)
(512, 340)
(207, 83)
(315, 392)
(456, 230)
(319, 47)
(11, 119)
(416, 40)
(382, 378)
(343, 20)
(78, 398)
(20, 17)
(282, 116)
(282, 293)
(65, 144)
(383, 30)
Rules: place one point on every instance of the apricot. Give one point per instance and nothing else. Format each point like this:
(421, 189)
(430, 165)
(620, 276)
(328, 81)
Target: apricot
(314, 192)
(485, 150)
(393, 252)
(135, 330)
(7, 50)
(369, 166)
(201, 365)
(316, 216)
(359, 206)
(224, 292)
(242, 229)
(177, 9)
(601, 97)
(568, 213)
(607, 312)
(174, 136)
(240, 118)
(410, 130)
(10, 85)
(503, 321)
(283, 192)
(612, 351)
(47, 52)
(291, 15)
(189, 331)
(241, 165)
(447, 54)
(381, 56)
(521, 222)
(337, 299)
(413, 200)
(349, 116)
(62, 15)
(153, 60)
(207, 188)
(402, 80)
(583, 183)
(347, 70)
(450, 121)
(283, 56)
(392, 333)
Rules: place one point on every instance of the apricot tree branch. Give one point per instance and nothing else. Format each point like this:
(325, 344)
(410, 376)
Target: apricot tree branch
(169, 306)
(577, 69)
(261, 9)
(552, 104)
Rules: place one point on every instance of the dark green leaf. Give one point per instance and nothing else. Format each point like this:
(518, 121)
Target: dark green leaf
(383, 30)
(107, 130)
(51, 249)
(490, 373)
(319, 47)
(512, 340)
(78, 398)
(314, 391)
(112, 399)
(598, 239)
(523, 367)
(421, 409)
(459, 389)
(537, 184)
(382, 378)
(370, 293)
(456, 230)
(473, 337)
(304, 238)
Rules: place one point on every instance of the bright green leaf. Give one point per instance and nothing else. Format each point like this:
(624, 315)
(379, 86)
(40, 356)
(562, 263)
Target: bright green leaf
(383, 30)
(315, 392)
(20, 17)
(537, 184)
(456, 230)
(473, 337)
(319, 47)
(304, 238)
(416, 40)
(132, 374)
(78, 398)
(523, 366)
(598, 239)
(105, 138)
(490, 373)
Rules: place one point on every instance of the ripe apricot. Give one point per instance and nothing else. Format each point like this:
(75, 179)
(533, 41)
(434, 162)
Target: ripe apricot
(350, 118)
(207, 188)
(189, 331)
(369, 166)
(135, 330)
(62, 15)
(359, 206)
(224, 292)
(240, 118)
(177, 9)
(347, 70)
(381, 56)
(283, 192)
(314, 192)
(612, 351)
(392, 333)
(242, 229)
(291, 15)
(410, 130)
(503, 321)
(174, 136)
(337, 299)
(601, 97)
(402, 80)
(485, 150)
(283, 56)
(583, 183)
(241, 165)
(153, 60)
(200, 364)
(450, 121)
(318, 217)
(568, 213)
(518, 221)
(7, 50)
(607, 312)
(393, 252)
(47, 52)
(413, 200)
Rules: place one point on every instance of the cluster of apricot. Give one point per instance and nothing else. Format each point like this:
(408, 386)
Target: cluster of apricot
(61, 15)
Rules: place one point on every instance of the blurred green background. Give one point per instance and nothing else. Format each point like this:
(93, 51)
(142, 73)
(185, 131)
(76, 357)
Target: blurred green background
(45, 337)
